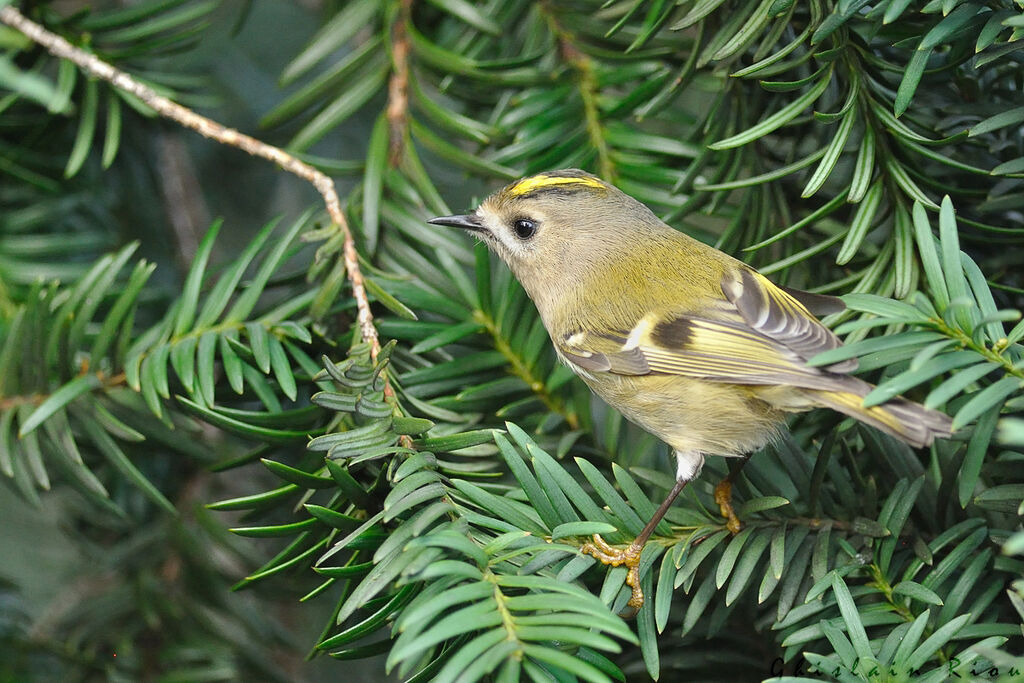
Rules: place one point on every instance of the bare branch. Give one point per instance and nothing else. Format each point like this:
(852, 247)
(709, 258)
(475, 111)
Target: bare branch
(96, 67)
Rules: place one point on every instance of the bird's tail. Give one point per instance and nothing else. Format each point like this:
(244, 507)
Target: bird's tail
(905, 420)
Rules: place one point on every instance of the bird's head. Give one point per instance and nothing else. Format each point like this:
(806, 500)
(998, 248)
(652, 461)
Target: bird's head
(557, 227)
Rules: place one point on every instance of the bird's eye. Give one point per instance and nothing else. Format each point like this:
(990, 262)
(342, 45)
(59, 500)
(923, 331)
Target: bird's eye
(525, 228)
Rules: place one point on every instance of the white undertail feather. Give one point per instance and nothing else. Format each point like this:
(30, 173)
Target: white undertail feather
(688, 465)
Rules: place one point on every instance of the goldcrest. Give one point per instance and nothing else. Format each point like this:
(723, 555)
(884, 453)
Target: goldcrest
(687, 342)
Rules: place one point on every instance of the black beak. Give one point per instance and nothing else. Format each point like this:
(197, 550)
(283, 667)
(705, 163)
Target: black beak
(467, 222)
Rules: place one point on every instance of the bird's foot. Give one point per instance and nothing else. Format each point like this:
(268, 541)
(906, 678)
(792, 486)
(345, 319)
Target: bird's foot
(723, 496)
(630, 557)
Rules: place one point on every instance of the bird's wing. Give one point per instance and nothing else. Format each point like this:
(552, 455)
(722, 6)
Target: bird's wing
(780, 315)
(756, 334)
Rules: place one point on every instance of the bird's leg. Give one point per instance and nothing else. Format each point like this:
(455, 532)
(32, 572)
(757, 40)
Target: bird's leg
(723, 494)
(630, 557)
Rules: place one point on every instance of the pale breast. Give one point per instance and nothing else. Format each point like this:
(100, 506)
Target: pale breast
(691, 415)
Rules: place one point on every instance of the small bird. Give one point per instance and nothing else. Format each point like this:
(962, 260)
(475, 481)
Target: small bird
(687, 342)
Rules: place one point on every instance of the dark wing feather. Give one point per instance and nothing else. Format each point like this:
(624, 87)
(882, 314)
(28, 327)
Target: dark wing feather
(818, 304)
(632, 362)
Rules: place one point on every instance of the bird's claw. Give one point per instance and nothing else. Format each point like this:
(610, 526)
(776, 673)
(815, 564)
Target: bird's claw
(723, 496)
(630, 557)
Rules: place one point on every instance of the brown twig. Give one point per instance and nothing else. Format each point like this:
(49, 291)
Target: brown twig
(106, 382)
(97, 68)
(589, 90)
(398, 87)
(182, 195)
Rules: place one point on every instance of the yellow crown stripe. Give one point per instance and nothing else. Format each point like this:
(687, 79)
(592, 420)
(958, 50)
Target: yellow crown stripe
(538, 182)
